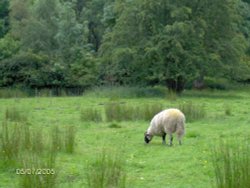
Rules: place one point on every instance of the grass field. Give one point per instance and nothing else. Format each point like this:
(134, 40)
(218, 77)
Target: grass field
(226, 116)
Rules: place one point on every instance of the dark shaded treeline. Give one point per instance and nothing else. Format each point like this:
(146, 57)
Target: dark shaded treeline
(85, 43)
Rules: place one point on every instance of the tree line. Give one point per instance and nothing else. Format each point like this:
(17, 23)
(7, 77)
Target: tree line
(84, 43)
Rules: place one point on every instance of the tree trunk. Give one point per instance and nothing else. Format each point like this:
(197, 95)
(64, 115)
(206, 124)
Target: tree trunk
(199, 82)
(176, 85)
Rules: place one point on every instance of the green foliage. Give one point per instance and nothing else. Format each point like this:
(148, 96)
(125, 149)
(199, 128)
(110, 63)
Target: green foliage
(69, 44)
(106, 171)
(8, 47)
(231, 161)
(25, 68)
(4, 19)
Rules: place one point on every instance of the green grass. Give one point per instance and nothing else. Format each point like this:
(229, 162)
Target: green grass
(106, 171)
(152, 165)
(231, 161)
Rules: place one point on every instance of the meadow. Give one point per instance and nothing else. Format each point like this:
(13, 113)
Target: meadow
(97, 140)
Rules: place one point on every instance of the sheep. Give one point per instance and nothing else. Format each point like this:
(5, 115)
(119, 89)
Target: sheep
(165, 122)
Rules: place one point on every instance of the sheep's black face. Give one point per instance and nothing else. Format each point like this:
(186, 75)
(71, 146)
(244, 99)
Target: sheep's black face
(147, 138)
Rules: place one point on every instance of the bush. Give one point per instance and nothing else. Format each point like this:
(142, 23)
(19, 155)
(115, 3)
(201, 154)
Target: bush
(219, 83)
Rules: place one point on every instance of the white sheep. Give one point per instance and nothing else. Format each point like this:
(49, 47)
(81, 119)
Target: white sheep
(166, 122)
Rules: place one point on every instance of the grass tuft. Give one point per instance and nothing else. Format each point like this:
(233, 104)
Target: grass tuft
(122, 112)
(12, 93)
(37, 171)
(192, 111)
(106, 171)
(91, 114)
(193, 134)
(231, 162)
(10, 144)
(15, 114)
(114, 125)
(228, 111)
(69, 138)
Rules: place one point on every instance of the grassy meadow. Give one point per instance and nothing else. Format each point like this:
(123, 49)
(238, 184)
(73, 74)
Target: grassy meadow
(97, 140)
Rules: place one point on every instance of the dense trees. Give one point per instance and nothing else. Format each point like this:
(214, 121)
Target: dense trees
(81, 43)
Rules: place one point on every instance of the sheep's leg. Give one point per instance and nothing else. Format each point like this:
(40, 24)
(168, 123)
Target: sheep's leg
(170, 139)
(164, 139)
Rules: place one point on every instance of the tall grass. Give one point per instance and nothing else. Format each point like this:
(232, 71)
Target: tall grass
(10, 144)
(91, 114)
(192, 111)
(126, 92)
(15, 114)
(228, 110)
(122, 112)
(57, 140)
(70, 134)
(231, 162)
(106, 171)
(63, 140)
(37, 171)
(12, 93)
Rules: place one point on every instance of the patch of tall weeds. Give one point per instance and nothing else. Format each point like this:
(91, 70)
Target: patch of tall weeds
(15, 114)
(37, 171)
(192, 111)
(115, 111)
(231, 163)
(70, 134)
(12, 93)
(91, 114)
(106, 171)
(63, 140)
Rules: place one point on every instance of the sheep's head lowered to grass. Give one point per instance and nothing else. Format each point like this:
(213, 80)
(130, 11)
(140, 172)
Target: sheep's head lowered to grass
(166, 122)
(147, 137)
